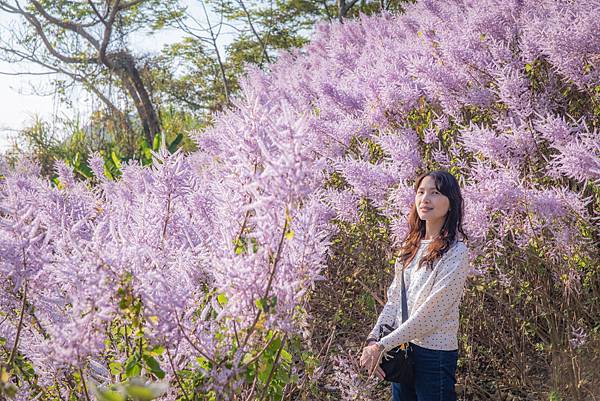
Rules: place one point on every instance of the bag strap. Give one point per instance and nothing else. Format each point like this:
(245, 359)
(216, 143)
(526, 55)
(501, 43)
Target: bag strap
(404, 302)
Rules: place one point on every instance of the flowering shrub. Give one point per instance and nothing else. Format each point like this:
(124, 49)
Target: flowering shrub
(200, 271)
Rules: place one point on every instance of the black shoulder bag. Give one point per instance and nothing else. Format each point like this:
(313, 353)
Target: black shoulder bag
(398, 363)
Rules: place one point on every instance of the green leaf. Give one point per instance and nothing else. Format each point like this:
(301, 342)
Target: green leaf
(113, 392)
(173, 145)
(158, 350)
(115, 368)
(107, 172)
(133, 367)
(85, 171)
(203, 362)
(265, 304)
(282, 375)
(222, 299)
(10, 389)
(273, 347)
(109, 395)
(115, 159)
(286, 356)
(4, 375)
(156, 142)
(56, 182)
(154, 366)
(263, 371)
(140, 392)
(145, 391)
(240, 246)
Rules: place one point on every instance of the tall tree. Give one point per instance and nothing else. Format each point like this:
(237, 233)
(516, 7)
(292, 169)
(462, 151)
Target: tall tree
(201, 72)
(88, 43)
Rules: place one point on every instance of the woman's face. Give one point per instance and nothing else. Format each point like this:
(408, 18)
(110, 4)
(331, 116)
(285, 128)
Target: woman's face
(431, 204)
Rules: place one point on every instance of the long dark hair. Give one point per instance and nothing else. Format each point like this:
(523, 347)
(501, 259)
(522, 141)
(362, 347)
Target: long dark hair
(448, 186)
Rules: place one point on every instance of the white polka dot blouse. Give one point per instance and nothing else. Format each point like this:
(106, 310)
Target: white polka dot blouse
(433, 298)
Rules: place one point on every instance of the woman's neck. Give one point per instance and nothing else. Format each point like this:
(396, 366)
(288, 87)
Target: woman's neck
(432, 228)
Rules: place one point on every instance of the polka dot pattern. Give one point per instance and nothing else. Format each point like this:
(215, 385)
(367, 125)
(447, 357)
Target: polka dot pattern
(433, 298)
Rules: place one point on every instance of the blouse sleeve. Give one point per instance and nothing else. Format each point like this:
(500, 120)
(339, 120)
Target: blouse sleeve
(446, 291)
(391, 307)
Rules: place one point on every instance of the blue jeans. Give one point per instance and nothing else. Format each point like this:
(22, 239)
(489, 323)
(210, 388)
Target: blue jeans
(435, 377)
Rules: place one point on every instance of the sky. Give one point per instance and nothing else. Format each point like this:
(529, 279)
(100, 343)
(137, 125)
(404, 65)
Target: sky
(19, 103)
(17, 106)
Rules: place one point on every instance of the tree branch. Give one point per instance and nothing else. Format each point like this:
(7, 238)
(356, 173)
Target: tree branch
(26, 73)
(345, 7)
(75, 77)
(107, 33)
(125, 6)
(260, 41)
(13, 353)
(102, 18)
(218, 54)
(77, 28)
(327, 12)
(37, 25)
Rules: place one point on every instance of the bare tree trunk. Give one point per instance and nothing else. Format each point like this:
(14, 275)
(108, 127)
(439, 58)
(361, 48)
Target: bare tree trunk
(344, 7)
(123, 64)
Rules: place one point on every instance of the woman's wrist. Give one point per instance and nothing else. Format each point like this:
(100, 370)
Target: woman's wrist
(371, 340)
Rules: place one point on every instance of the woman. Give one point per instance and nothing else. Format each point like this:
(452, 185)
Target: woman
(435, 265)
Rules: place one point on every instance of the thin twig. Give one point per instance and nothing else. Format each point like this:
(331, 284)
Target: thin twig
(253, 388)
(19, 327)
(176, 375)
(191, 342)
(85, 390)
(269, 283)
(273, 367)
(235, 333)
(251, 361)
(366, 288)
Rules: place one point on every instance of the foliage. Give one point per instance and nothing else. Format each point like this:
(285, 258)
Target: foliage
(86, 44)
(38, 142)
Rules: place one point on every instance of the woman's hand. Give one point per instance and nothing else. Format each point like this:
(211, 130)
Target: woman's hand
(370, 358)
